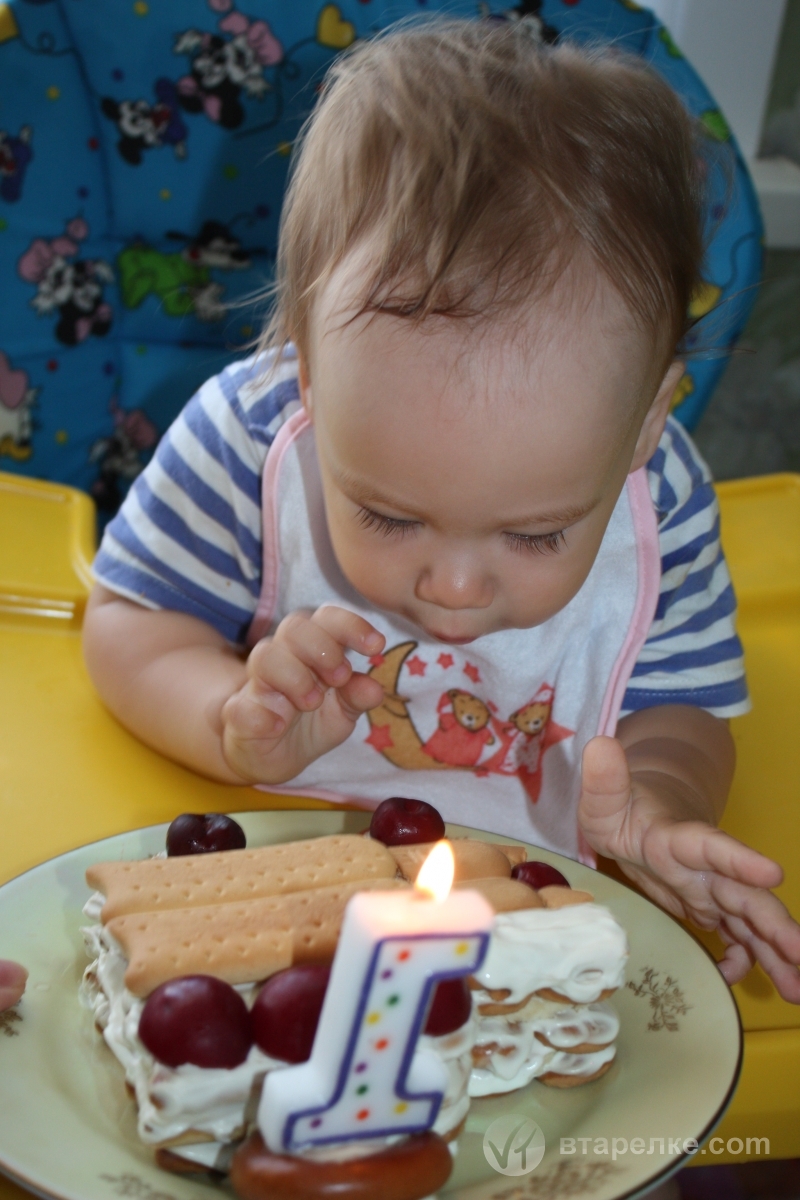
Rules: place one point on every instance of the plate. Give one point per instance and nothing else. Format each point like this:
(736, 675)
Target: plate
(68, 1127)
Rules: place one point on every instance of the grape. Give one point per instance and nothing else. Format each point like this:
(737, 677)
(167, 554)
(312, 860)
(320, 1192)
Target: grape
(450, 1008)
(402, 822)
(196, 1019)
(203, 833)
(538, 875)
(286, 1011)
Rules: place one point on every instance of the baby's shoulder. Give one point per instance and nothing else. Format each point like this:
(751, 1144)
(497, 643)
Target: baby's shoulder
(678, 476)
(259, 393)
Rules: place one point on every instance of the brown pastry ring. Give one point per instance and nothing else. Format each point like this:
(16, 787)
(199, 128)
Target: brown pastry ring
(408, 1170)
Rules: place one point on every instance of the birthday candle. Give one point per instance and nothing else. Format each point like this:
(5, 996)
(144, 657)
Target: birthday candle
(366, 1078)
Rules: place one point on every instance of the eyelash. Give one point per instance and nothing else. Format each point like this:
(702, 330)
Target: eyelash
(533, 543)
(536, 543)
(386, 526)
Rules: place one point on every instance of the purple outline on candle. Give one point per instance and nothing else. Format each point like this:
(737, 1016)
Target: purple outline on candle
(410, 1048)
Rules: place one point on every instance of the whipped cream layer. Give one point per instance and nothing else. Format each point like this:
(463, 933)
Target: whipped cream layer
(541, 1037)
(578, 951)
(455, 1051)
(171, 1100)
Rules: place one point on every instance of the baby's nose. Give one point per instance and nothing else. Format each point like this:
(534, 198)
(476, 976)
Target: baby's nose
(455, 585)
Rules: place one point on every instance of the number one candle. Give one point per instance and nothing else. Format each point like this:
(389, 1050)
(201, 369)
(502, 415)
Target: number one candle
(365, 1077)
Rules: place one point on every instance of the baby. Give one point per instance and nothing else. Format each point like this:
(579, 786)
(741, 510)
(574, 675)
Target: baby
(452, 462)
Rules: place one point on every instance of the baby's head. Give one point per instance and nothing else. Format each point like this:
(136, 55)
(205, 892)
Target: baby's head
(486, 259)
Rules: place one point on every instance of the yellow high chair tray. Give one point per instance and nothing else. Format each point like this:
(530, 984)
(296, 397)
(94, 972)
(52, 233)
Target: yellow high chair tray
(71, 775)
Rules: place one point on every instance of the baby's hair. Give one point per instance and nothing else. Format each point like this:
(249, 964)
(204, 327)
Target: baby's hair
(476, 164)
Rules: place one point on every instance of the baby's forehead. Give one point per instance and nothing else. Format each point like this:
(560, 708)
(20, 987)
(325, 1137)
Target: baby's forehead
(577, 342)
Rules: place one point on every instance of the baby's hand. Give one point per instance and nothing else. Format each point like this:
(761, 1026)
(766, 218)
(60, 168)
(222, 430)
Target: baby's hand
(302, 697)
(13, 978)
(688, 866)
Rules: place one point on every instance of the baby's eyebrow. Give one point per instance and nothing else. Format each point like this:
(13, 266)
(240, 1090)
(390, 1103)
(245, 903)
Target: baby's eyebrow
(364, 493)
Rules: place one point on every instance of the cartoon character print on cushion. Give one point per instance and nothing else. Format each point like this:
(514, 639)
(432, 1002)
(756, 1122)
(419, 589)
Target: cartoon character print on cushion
(15, 155)
(528, 13)
(143, 126)
(224, 67)
(119, 457)
(463, 730)
(17, 399)
(182, 281)
(70, 286)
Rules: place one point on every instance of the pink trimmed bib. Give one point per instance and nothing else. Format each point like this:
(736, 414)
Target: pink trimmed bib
(491, 733)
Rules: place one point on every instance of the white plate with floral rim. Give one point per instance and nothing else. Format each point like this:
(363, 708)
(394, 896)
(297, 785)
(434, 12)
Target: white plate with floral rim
(68, 1127)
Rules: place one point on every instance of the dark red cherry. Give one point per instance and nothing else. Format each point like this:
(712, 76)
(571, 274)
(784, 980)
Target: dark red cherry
(203, 833)
(286, 1012)
(538, 875)
(402, 822)
(196, 1019)
(450, 1007)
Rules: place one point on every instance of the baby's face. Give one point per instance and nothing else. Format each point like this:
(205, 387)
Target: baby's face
(469, 476)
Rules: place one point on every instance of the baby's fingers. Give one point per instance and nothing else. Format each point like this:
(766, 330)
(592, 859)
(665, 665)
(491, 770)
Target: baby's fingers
(735, 963)
(276, 667)
(348, 629)
(745, 946)
(759, 911)
(703, 848)
(12, 983)
(359, 695)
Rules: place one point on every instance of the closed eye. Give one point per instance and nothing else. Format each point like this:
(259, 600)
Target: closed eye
(386, 526)
(536, 543)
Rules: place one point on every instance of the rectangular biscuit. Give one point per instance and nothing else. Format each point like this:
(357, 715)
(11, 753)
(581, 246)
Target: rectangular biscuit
(515, 854)
(504, 895)
(474, 859)
(236, 875)
(238, 942)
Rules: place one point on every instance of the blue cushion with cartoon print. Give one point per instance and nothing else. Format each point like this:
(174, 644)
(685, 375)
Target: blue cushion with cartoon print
(143, 157)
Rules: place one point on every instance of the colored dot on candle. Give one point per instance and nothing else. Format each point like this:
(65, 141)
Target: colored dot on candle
(315, 1124)
(361, 1067)
(361, 1090)
(462, 948)
(393, 1000)
(382, 1043)
(403, 955)
(373, 1018)
(362, 1114)
(401, 1107)
(386, 974)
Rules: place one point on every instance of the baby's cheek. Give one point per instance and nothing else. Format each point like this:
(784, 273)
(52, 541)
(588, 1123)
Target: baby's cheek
(534, 591)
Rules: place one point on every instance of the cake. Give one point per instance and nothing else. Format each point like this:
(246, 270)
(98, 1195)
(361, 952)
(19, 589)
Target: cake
(539, 1000)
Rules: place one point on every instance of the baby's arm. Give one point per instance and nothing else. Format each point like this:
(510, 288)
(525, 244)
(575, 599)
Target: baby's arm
(651, 799)
(178, 685)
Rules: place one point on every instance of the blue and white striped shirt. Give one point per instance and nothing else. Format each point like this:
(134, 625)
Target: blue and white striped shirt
(188, 538)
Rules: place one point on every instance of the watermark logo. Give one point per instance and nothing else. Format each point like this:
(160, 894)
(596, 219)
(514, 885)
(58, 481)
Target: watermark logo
(513, 1145)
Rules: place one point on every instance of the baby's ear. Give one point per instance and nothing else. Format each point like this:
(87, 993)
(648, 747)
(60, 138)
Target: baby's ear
(305, 387)
(656, 416)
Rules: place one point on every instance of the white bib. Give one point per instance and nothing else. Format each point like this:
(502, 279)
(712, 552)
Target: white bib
(490, 733)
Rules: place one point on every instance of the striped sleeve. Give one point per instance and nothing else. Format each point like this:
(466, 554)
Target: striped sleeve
(188, 536)
(692, 654)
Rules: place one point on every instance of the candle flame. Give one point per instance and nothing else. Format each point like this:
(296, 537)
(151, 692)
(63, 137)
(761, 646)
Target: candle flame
(436, 873)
